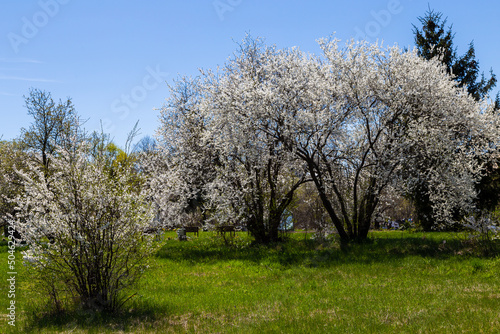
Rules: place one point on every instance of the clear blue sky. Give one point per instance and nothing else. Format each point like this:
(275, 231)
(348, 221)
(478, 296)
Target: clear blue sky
(113, 58)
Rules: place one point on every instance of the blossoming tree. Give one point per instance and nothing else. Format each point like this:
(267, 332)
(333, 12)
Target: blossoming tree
(398, 119)
(357, 122)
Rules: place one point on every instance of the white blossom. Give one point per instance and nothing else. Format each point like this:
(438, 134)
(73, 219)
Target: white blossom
(357, 121)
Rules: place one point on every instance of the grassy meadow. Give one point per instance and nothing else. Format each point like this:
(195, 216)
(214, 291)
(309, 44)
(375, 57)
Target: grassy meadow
(397, 282)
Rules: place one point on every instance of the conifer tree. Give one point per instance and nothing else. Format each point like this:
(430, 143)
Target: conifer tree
(434, 39)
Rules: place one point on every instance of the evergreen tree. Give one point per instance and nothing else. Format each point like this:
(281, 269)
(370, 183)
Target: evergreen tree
(435, 40)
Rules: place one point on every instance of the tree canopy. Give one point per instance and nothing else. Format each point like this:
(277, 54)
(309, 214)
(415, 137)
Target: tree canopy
(53, 125)
(357, 122)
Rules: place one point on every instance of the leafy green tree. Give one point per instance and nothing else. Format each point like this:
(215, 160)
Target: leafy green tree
(116, 159)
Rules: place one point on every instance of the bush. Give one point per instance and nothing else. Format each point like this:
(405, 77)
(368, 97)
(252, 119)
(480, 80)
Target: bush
(482, 231)
(83, 224)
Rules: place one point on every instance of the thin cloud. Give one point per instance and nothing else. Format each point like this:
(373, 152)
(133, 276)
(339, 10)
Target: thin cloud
(7, 94)
(12, 69)
(20, 60)
(26, 79)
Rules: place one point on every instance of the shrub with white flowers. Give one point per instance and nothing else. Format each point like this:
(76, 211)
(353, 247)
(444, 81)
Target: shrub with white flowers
(484, 226)
(83, 223)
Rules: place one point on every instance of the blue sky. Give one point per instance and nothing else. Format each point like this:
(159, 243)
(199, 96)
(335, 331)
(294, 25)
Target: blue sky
(114, 59)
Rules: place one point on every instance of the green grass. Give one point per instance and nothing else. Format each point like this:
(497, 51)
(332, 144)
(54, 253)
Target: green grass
(398, 282)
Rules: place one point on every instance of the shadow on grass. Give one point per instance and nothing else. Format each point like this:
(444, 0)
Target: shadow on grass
(126, 320)
(383, 247)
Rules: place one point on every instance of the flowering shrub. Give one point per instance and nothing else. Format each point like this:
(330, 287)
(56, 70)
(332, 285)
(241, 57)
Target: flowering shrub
(83, 226)
(483, 226)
